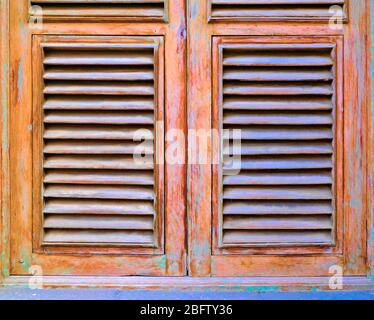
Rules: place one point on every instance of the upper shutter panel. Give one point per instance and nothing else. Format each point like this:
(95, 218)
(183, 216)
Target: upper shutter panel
(96, 98)
(76, 10)
(282, 98)
(234, 10)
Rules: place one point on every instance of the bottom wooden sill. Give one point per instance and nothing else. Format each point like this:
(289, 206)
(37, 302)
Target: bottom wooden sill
(252, 284)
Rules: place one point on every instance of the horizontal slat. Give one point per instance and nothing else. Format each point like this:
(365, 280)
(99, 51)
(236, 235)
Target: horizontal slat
(284, 147)
(259, 2)
(266, 11)
(98, 177)
(269, 207)
(282, 237)
(277, 103)
(276, 59)
(95, 132)
(279, 74)
(99, 192)
(99, 117)
(277, 223)
(98, 236)
(110, 58)
(282, 162)
(99, 103)
(280, 193)
(98, 147)
(97, 74)
(285, 133)
(96, 206)
(275, 178)
(107, 11)
(98, 222)
(99, 88)
(277, 118)
(98, 162)
(277, 89)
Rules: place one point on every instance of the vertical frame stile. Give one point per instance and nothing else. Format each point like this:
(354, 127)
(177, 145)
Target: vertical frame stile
(175, 118)
(355, 140)
(199, 120)
(159, 171)
(370, 149)
(217, 142)
(4, 133)
(21, 140)
(339, 143)
(38, 129)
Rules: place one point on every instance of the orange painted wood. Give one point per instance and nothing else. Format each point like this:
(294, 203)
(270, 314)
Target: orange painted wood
(190, 221)
(348, 252)
(4, 125)
(169, 258)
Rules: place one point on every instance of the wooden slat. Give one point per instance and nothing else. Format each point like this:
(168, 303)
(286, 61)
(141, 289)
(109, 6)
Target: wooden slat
(98, 162)
(94, 132)
(277, 193)
(277, 103)
(283, 147)
(274, 9)
(98, 236)
(97, 147)
(112, 74)
(277, 223)
(277, 207)
(276, 178)
(285, 133)
(95, 222)
(99, 117)
(277, 118)
(99, 192)
(285, 74)
(281, 237)
(277, 60)
(96, 206)
(97, 177)
(99, 103)
(99, 88)
(282, 162)
(277, 89)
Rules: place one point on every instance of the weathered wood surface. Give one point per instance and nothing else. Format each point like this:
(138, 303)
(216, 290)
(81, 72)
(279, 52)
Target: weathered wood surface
(191, 48)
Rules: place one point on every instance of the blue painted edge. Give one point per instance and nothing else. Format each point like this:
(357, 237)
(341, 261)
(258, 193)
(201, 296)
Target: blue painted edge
(371, 9)
(110, 294)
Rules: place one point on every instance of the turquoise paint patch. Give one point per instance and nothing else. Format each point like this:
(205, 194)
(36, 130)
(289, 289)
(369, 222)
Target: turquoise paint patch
(20, 76)
(262, 288)
(251, 289)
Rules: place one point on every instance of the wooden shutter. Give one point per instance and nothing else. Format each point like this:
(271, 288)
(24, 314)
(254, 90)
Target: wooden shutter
(85, 97)
(234, 10)
(77, 10)
(281, 96)
(292, 90)
(97, 98)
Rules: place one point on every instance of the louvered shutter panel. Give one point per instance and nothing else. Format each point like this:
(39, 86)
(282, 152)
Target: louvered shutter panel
(97, 96)
(282, 98)
(235, 10)
(151, 10)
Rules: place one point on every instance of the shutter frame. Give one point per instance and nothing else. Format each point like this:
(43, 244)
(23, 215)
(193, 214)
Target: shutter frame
(121, 184)
(90, 11)
(275, 248)
(237, 15)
